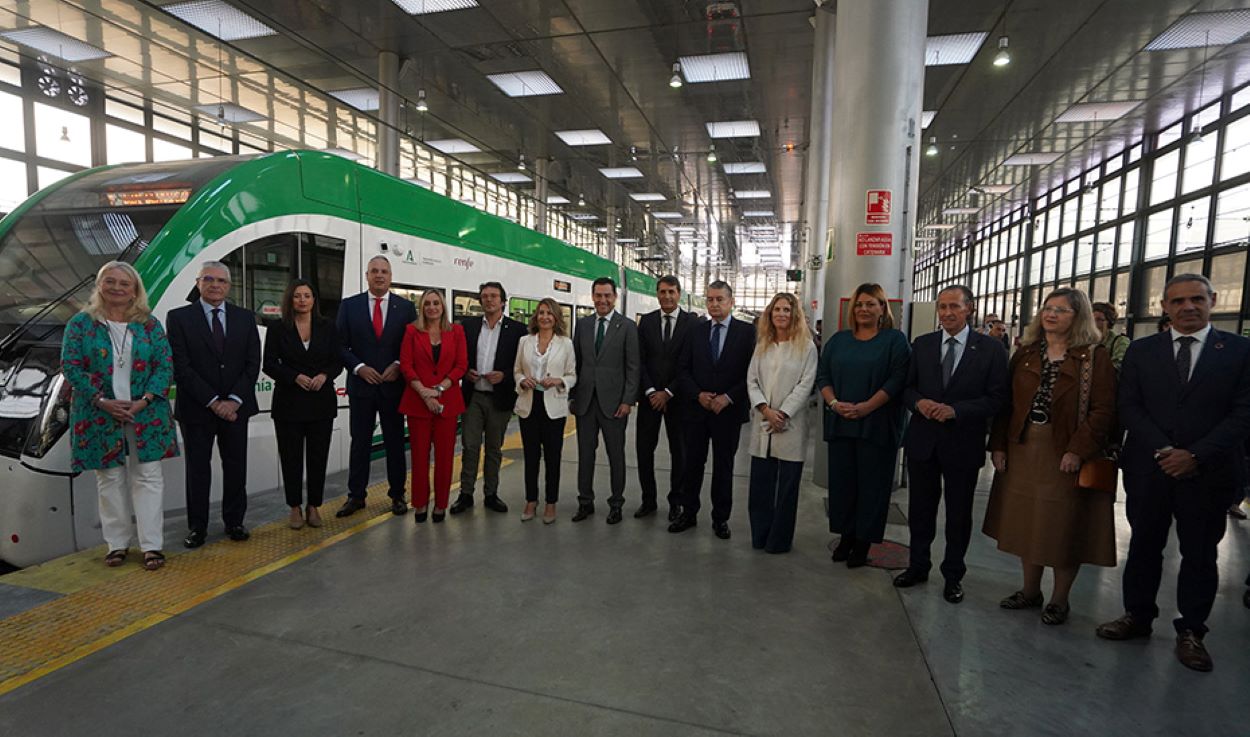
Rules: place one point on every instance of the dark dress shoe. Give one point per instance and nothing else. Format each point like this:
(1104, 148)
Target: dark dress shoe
(350, 507)
(614, 516)
(463, 503)
(194, 539)
(674, 511)
(953, 592)
(1124, 628)
(843, 551)
(583, 511)
(419, 517)
(909, 578)
(683, 523)
(721, 529)
(645, 510)
(495, 504)
(238, 533)
(398, 508)
(859, 555)
(1192, 653)
(438, 516)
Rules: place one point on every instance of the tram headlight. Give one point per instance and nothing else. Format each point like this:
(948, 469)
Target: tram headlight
(53, 418)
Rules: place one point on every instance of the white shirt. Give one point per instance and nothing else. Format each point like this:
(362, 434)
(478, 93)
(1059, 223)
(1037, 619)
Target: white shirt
(1195, 349)
(123, 357)
(487, 345)
(386, 305)
(961, 343)
(208, 315)
(540, 364)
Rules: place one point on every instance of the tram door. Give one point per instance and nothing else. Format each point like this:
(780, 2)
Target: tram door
(464, 304)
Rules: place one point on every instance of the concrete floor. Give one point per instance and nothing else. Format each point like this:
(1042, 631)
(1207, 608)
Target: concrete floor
(488, 626)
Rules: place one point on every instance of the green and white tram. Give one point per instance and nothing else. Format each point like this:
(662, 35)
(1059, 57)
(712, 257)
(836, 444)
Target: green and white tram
(271, 218)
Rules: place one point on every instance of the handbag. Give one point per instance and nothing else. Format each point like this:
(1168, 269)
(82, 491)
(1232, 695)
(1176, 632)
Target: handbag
(1098, 473)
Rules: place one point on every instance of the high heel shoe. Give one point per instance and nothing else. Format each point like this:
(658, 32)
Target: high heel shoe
(312, 516)
(438, 516)
(528, 514)
(295, 520)
(419, 516)
(549, 516)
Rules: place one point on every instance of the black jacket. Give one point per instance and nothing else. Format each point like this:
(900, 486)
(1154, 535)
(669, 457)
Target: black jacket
(503, 395)
(286, 358)
(697, 372)
(659, 361)
(361, 345)
(201, 373)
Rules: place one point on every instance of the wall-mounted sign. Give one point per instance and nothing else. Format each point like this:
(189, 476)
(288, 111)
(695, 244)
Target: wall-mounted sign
(562, 286)
(874, 244)
(877, 208)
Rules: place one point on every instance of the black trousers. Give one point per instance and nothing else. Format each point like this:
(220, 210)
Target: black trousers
(773, 503)
(647, 438)
(701, 427)
(861, 479)
(1201, 515)
(930, 480)
(303, 444)
(364, 413)
(542, 440)
(231, 440)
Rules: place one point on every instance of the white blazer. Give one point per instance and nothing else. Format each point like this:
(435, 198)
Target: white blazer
(560, 362)
(782, 378)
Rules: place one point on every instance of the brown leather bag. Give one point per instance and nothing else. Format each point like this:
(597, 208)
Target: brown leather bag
(1098, 473)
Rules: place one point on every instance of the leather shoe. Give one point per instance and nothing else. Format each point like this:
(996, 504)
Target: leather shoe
(721, 529)
(1192, 653)
(614, 516)
(194, 539)
(683, 523)
(350, 507)
(1125, 628)
(859, 555)
(843, 550)
(645, 510)
(463, 503)
(583, 511)
(238, 533)
(398, 507)
(674, 511)
(494, 503)
(953, 592)
(909, 578)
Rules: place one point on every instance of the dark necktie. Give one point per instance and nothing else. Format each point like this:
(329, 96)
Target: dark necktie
(716, 328)
(948, 361)
(603, 321)
(219, 331)
(1183, 357)
(668, 328)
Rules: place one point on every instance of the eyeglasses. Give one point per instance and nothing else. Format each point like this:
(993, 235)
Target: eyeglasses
(1058, 310)
(214, 280)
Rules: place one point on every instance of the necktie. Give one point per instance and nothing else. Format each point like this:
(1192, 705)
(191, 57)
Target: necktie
(1183, 357)
(668, 328)
(716, 327)
(603, 321)
(219, 331)
(948, 361)
(377, 316)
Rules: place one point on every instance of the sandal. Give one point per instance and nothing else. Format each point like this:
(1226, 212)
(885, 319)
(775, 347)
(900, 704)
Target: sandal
(1055, 613)
(116, 557)
(153, 559)
(1019, 601)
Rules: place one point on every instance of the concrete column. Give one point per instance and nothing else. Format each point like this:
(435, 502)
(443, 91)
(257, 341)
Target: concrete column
(611, 235)
(540, 193)
(388, 113)
(819, 162)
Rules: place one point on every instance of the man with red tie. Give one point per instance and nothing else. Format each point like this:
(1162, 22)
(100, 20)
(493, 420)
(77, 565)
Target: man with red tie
(371, 327)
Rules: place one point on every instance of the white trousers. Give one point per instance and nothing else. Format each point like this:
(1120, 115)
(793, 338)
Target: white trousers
(135, 489)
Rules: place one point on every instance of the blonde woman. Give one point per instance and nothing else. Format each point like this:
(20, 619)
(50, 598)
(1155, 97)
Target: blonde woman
(117, 359)
(545, 371)
(779, 382)
(1037, 446)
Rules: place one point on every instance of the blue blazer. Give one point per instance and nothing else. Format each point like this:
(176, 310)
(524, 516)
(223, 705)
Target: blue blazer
(361, 345)
(697, 372)
(1209, 417)
(201, 373)
(978, 390)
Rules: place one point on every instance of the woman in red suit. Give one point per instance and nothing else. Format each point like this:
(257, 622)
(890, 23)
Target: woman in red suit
(433, 357)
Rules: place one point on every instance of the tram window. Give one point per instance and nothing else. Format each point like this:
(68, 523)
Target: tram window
(269, 265)
(321, 262)
(522, 308)
(567, 311)
(583, 311)
(465, 304)
(413, 293)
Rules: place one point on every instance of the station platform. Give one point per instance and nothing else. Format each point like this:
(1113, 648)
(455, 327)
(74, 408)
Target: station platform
(485, 625)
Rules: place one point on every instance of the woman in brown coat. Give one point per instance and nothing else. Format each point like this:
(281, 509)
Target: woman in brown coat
(1038, 443)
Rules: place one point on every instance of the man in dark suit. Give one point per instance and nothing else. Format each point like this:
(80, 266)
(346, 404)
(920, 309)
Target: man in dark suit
(1184, 398)
(662, 335)
(957, 382)
(489, 395)
(712, 384)
(216, 350)
(371, 328)
(606, 348)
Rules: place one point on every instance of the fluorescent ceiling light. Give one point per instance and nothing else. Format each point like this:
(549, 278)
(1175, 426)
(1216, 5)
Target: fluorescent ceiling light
(647, 197)
(1203, 29)
(757, 213)
(1037, 159)
(230, 113)
(752, 194)
(525, 84)
(453, 146)
(55, 43)
(361, 98)
(994, 188)
(583, 216)
(956, 48)
(961, 211)
(745, 167)
(1094, 112)
(621, 172)
(715, 67)
(926, 118)
(592, 137)
(734, 129)
(422, 7)
(661, 215)
(511, 177)
(219, 20)
(556, 199)
(345, 153)
(941, 226)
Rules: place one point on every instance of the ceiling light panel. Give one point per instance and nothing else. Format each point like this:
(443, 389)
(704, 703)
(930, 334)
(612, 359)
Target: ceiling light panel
(453, 146)
(734, 129)
(994, 188)
(941, 226)
(525, 84)
(621, 172)
(926, 118)
(511, 177)
(423, 7)
(1037, 159)
(647, 197)
(1203, 29)
(662, 215)
(961, 211)
(230, 113)
(1097, 112)
(752, 194)
(361, 98)
(583, 216)
(715, 67)
(556, 199)
(956, 48)
(745, 167)
(757, 213)
(593, 137)
(219, 20)
(55, 43)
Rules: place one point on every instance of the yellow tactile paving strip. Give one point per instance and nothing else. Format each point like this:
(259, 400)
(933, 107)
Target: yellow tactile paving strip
(97, 611)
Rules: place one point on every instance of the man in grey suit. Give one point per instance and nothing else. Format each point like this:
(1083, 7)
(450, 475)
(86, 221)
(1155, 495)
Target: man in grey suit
(606, 347)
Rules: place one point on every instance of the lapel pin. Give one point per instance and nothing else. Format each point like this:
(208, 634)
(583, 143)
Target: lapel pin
(1219, 346)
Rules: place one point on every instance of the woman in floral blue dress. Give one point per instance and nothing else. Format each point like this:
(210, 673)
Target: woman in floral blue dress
(118, 362)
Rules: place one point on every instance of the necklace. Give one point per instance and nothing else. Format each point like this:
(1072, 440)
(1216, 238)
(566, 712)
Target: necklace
(119, 346)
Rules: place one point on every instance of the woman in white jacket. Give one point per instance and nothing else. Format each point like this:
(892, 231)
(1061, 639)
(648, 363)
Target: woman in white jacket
(779, 382)
(545, 371)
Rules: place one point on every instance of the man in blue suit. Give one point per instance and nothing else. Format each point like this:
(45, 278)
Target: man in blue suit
(371, 326)
(956, 383)
(1185, 400)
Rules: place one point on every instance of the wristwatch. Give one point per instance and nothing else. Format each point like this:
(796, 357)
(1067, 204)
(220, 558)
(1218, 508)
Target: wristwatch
(439, 388)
